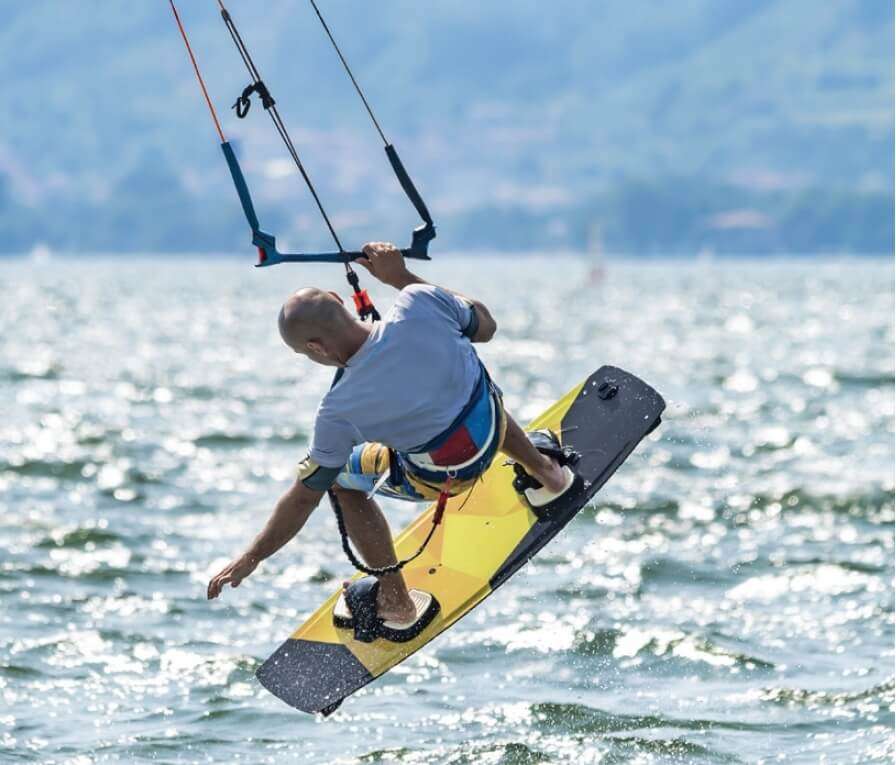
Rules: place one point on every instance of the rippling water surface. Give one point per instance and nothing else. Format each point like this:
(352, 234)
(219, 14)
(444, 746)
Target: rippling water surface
(727, 598)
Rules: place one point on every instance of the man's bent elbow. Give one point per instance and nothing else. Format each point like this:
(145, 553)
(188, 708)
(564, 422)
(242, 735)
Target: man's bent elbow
(487, 328)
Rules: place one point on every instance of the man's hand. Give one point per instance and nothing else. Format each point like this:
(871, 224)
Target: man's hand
(386, 263)
(290, 514)
(234, 573)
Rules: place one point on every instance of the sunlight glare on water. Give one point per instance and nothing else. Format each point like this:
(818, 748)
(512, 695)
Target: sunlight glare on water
(727, 597)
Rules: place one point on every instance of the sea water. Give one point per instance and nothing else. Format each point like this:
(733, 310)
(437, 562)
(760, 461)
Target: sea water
(727, 598)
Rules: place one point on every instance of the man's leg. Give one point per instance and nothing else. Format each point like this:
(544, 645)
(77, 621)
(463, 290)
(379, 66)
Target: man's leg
(519, 448)
(369, 532)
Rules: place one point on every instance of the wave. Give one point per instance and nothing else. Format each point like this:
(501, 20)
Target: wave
(677, 749)
(654, 506)
(875, 504)
(574, 718)
(49, 372)
(884, 692)
(37, 468)
(846, 565)
(224, 440)
(102, 573)
(597, 643)
(866, 380)
(19, 672)
(666, 570)
(80, 538)
(664, 645)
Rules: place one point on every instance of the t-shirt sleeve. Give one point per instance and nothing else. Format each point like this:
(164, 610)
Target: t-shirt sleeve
(331, 446)
(435, 302)
(316, 477)
(332, 441)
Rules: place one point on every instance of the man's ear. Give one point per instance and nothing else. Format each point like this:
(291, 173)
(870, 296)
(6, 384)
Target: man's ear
(315, 347)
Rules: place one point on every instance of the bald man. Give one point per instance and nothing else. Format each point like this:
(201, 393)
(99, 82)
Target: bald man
(412, 414)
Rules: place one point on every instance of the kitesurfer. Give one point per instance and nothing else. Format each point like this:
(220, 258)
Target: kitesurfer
(412, 414)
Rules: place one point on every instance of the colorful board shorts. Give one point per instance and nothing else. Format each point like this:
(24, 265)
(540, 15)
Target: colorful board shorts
(452, 461)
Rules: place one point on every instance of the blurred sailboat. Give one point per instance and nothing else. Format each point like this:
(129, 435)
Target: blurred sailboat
(40, 253)
(594, 252)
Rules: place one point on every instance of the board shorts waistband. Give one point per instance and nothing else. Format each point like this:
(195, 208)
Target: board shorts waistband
(467, 447)
(453, 460)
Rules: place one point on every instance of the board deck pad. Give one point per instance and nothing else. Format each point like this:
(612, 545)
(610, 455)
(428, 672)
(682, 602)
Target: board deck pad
(476, 548)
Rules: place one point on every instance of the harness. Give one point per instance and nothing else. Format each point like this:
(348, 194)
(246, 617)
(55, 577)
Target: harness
(444, 466)
(466, 447)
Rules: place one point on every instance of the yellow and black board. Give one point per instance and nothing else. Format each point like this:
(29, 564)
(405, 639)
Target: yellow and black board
(476, 548)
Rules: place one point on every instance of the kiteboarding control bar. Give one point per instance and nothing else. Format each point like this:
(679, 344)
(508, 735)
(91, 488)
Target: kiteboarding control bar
(265, 242)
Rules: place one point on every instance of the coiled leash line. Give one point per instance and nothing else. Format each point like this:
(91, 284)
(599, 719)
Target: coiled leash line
(439, 512)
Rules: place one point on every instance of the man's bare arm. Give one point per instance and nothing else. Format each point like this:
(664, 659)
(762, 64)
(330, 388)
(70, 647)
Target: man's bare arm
(387, 264)
(287, 520)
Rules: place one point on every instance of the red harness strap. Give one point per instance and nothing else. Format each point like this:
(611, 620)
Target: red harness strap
(444, 496)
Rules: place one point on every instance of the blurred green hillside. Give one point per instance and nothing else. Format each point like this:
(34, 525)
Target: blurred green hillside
(756, 127)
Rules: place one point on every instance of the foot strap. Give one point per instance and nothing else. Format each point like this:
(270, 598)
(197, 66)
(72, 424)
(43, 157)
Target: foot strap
(541, 497)
(360, 600)
(356, 609)
(538, 497)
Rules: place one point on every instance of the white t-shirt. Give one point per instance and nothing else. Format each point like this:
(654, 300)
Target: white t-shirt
(406, 384)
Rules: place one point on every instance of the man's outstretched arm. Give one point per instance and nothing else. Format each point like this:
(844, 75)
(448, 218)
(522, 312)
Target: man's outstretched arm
(386, 263)
(290, 514)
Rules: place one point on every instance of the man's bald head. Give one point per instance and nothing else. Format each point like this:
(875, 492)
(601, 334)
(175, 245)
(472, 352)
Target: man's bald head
(316, 324)
(311, 314)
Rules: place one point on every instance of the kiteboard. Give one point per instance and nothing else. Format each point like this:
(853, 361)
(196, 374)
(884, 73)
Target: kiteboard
(482, 541)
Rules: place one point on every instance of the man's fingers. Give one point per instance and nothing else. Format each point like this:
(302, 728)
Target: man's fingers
(234, 574)
(378, 248)
(214, 588)
(217, 582)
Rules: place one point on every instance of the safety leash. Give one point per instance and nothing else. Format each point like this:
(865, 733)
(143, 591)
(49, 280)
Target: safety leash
(442, 502)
